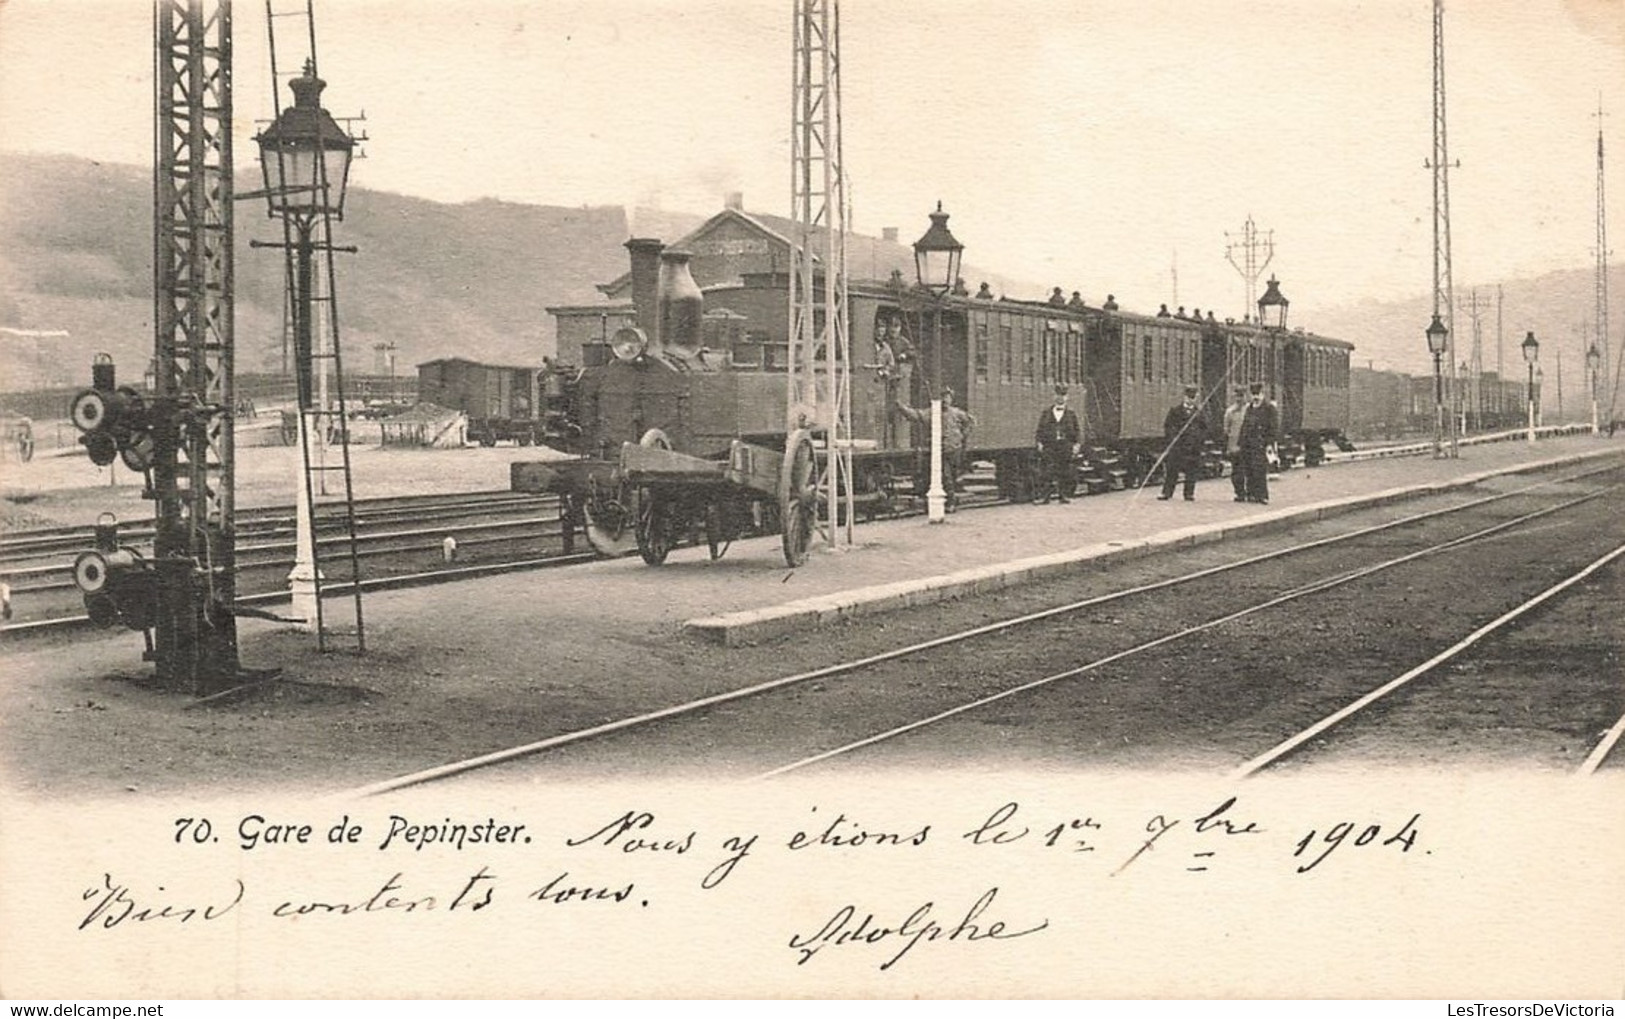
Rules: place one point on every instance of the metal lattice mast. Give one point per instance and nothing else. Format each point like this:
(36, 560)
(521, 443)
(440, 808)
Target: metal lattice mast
(1473, 409)
(1250, 244)
(1603, 344)
(195, 638)
(819, 387)
(1443, 286)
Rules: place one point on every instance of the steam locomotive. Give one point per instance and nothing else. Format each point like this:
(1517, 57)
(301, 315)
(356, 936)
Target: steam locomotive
(684, 428)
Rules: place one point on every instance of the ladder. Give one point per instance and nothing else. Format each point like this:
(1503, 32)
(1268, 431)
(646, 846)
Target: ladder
(324, 449)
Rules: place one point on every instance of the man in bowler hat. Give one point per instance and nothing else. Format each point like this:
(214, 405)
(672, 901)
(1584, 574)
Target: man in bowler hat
(1258, 428)
(1059, 436)
(1185, 428)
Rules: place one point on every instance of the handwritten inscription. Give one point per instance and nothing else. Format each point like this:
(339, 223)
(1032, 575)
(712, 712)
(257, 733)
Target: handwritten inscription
(846, 928)
(117, 904)
(630, 859)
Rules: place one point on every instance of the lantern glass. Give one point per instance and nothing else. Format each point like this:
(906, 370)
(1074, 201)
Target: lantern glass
(1437, 334)
(1272, 306)
(1531, 349)
(1593, 358)
(937, 255)
(294, 178)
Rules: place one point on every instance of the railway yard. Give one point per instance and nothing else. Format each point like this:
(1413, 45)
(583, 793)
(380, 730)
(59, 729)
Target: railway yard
(1386, 612)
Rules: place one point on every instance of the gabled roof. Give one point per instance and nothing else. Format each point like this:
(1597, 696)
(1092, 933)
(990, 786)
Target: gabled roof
(867, 257)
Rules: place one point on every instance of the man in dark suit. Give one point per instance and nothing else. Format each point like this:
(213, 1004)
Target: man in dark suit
(1258, 433)
(1185, 429)
(1059, 436)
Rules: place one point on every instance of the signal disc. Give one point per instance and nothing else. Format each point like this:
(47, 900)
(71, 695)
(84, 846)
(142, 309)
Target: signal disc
(90, 572)
(89, 411)
(103, 448)
(137, 452)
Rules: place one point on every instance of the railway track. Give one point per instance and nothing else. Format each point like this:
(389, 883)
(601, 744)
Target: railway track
(400, 541)
(1068, 684)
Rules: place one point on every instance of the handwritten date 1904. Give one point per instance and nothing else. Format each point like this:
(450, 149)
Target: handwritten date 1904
(1338, 833)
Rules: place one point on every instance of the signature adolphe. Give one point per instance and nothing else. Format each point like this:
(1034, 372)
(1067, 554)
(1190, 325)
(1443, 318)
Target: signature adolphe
(848, 927)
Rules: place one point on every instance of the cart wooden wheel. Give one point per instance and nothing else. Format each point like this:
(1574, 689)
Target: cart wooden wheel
(798, 496)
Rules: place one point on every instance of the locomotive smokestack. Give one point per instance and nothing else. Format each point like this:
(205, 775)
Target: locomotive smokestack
(645, 253)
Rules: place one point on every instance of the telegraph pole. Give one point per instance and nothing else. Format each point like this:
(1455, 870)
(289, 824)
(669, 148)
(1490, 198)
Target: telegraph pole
(1443, 287)
(1249, 246)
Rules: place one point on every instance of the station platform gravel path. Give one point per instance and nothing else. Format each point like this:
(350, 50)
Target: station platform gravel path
(749, 595)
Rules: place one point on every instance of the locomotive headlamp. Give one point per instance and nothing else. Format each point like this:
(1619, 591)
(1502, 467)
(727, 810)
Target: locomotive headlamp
(305, 154)
(937, 254)
(1437, 334)
(629, 343)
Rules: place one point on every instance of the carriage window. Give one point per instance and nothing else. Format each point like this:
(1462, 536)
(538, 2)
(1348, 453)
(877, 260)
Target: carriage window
(979, 353)
(1167, 355)
(1029, 340)
(1145, 359)
(1007, 352)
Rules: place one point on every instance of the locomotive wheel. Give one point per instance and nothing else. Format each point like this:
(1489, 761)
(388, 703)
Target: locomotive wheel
(798, 496)
(652, 529)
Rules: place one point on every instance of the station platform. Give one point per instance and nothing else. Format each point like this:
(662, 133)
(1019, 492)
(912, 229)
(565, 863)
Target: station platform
(749, 595)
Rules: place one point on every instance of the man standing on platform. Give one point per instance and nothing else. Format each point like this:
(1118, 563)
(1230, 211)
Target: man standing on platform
(1258, 427)
(957, 426)
(1059, 437)
(1232, 441)
(1185, 429)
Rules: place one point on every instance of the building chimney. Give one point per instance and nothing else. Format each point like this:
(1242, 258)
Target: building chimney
(646, 282)
(735, 200)
(888, 234)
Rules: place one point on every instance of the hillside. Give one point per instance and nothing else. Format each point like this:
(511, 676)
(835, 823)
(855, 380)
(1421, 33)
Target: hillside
(475, 279)
(1554, 305)
(435, 279)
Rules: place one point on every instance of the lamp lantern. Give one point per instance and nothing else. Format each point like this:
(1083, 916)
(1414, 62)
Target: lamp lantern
(1272, 306)
(305, 155)
(937, 255)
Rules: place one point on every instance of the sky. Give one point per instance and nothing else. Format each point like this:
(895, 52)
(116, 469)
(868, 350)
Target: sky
(1097, 145)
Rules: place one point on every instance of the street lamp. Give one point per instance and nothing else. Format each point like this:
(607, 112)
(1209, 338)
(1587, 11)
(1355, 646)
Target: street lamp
(1272, 306)
(305, 157)
(1531, 354)
(1437, 336)
(936, 267)
(1593, 366)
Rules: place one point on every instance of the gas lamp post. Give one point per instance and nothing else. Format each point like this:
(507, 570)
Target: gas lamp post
(305, 156)
(1437, 335)
(936, 267)
(1593, 366)
(1531, 355)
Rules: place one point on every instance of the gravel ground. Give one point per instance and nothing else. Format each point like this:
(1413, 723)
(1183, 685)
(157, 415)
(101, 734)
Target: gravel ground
(448, 677)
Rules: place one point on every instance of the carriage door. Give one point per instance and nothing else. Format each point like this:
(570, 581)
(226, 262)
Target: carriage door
(1216, 381)
(1292, 393)
(1101, 404)
(956, 355)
